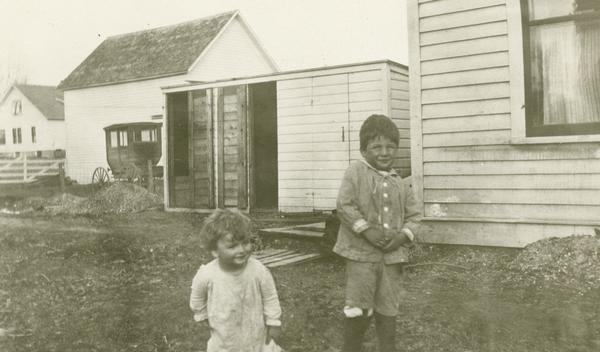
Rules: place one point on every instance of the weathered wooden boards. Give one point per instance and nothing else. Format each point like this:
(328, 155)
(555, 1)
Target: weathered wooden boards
(278, 257)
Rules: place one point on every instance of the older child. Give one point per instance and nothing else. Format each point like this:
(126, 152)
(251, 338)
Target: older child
(378, 219)
(234, 295)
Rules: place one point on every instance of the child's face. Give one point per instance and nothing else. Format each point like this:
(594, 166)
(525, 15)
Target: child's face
(231, 253)
(380, 152)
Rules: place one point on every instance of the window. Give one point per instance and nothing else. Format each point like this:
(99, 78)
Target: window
(145, 135)
(33, 135)
(16, 132)
(561, 67)
(2, 137)
(114, 141)
(123, 138)
(17, 107)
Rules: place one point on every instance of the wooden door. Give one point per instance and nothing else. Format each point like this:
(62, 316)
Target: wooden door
(201, 147)
(180, 185)
(232, 147)
(330, 139)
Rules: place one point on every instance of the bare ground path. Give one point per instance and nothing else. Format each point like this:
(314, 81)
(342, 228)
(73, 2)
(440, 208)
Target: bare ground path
(121, 283)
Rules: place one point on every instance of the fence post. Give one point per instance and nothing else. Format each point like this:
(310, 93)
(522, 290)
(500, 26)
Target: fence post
(61, 176)
(150, 176)
(24, 167)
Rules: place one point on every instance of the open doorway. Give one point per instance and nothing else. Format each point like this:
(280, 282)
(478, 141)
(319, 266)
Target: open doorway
(177, 129)
(263, 112)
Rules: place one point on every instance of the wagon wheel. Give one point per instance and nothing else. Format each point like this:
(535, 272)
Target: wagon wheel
(100, 177)
(132, 173)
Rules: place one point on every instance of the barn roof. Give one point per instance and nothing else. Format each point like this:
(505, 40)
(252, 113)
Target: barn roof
(153, 53)
(48, 99)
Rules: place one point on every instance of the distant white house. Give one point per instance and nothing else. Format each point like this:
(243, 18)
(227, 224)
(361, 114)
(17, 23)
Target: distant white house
(119, 82)
(32, 120)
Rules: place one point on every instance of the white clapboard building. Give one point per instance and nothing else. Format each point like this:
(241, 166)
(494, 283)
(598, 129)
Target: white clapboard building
(505, 112)
(119, 82)
(276, 141)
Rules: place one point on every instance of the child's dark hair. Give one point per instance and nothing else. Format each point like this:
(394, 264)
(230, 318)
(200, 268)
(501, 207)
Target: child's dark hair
(222, 222)
(375, 126)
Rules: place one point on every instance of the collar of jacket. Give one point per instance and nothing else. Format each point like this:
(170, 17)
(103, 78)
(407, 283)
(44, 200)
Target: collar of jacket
(392, 172)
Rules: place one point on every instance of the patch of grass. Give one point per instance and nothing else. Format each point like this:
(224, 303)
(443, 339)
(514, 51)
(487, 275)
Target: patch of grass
(121, 283)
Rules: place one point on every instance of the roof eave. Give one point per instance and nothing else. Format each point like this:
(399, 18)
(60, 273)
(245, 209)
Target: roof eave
(179, 73)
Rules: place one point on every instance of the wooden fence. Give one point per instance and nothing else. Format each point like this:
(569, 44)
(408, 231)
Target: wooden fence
(27, 169)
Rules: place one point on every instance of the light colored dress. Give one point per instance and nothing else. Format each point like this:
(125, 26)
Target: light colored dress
(238, 306)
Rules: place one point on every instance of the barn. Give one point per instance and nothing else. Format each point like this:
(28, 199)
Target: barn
(276, 141)
(119, 82)
(505, 119)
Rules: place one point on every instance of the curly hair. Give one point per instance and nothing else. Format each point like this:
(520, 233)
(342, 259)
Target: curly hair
(222, 222)
(375, 126)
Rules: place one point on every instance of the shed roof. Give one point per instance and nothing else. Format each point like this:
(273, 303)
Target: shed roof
(48, 99)
(153, 53)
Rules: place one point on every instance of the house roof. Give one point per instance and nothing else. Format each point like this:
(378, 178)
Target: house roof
(153, 53)
(48, 99)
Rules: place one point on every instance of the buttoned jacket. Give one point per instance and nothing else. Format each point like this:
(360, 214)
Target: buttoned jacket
(372, 198)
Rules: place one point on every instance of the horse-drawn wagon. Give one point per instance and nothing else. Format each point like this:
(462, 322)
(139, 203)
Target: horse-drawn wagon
(133, 151)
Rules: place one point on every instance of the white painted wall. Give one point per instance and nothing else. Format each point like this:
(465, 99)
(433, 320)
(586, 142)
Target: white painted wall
(312, 114)
(233, 54)
(89, 110)
(50, 135)
(476, 184)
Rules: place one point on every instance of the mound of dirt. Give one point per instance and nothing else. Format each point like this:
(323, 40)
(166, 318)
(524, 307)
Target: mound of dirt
(124, 197)
(571, 262)
(119, 197)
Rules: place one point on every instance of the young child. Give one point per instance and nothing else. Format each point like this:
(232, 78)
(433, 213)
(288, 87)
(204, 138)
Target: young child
(234, 295)
(378, 221)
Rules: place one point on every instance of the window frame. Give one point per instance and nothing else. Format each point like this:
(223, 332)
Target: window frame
(532, 117)
(516, 18)
(17, 107)
(17, 136)
(123, 137)
(2, 137)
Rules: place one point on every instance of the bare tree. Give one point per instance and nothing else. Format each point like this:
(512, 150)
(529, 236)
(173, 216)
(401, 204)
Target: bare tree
(11, 73)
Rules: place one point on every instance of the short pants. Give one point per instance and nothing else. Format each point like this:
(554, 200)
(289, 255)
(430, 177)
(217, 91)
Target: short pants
(374, 286)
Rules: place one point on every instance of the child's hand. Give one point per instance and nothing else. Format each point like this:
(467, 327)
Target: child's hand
(273, 333)
(375, 237)
(397, 240)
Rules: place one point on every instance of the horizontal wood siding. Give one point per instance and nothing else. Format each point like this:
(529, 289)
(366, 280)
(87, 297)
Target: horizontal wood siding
(311, 114)
(366, 89)
(474, 179)
(318, 122)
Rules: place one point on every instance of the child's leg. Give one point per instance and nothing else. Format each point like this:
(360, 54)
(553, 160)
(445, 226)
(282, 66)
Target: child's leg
(385, 326)
(360, 292)
(355, 328)
(387, 300)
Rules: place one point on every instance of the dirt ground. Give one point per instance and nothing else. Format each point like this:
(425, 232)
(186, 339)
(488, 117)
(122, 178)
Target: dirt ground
(120, 282)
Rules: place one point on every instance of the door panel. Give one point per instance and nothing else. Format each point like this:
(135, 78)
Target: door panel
(232, 132)
(201, 145)
(331, 104)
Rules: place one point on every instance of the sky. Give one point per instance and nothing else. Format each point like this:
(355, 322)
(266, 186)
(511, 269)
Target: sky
(42, 41)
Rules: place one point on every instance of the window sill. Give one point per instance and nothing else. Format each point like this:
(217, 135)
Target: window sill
(556, 139)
